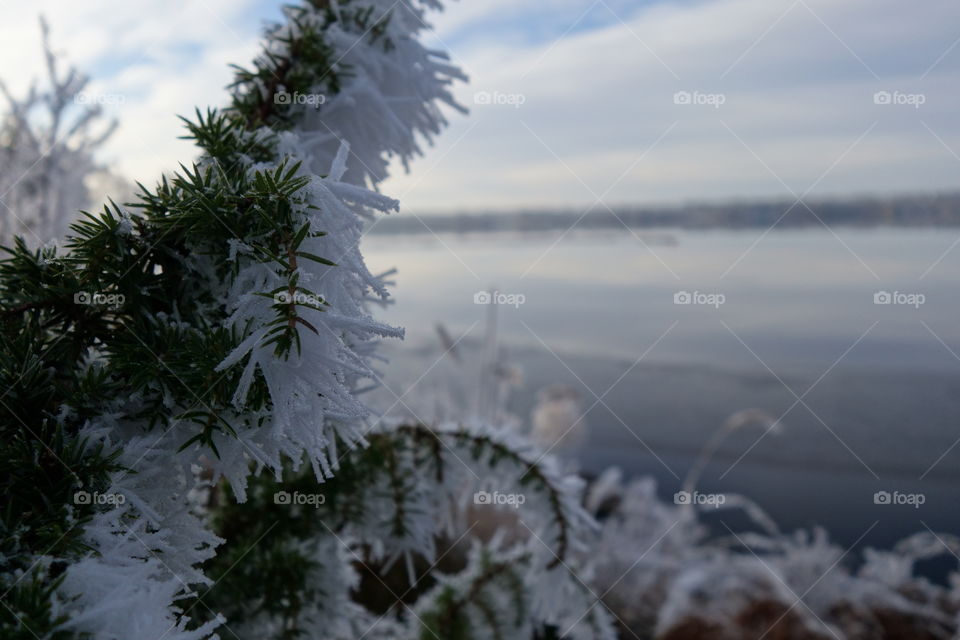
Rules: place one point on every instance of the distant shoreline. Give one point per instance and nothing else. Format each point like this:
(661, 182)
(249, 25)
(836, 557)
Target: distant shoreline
(940, 210)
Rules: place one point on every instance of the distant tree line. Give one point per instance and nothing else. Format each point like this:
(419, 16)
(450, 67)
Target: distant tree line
(937, 210)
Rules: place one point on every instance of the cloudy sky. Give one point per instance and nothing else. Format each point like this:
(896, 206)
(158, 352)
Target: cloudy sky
(578, 101)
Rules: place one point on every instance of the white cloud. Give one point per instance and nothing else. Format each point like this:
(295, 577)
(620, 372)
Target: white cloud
(796, 95)
(158, 58)
(595, 100)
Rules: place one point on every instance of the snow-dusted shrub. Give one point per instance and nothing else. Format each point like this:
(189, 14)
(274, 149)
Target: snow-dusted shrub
(667, 575)
(184, 452)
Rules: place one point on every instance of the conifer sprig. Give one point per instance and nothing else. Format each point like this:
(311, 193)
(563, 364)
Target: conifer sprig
(186, 360)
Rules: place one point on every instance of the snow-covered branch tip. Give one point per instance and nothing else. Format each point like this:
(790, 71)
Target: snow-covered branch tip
(463, 454)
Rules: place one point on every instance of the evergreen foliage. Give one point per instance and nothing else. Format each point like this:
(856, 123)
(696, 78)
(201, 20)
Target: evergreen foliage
(187, 363)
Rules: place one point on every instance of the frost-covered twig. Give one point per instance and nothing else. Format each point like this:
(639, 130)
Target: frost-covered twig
(47, 144)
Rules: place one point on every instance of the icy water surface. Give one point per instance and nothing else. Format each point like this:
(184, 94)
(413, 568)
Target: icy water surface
(792, 322)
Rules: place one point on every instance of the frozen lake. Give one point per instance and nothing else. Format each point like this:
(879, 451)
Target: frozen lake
(868, 394)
